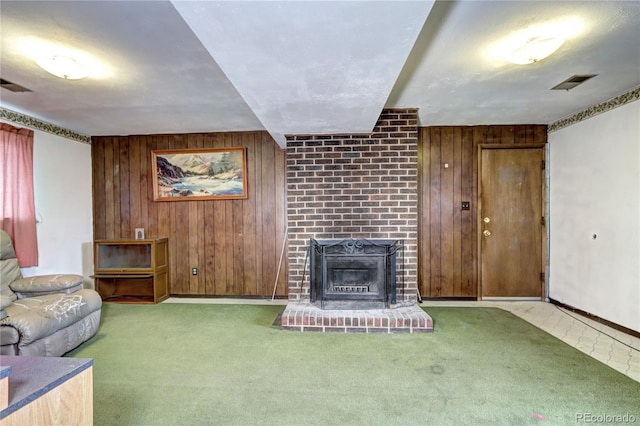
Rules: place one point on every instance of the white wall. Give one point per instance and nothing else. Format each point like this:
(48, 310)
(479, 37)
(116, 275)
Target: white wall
(63, 199)
(595, 191)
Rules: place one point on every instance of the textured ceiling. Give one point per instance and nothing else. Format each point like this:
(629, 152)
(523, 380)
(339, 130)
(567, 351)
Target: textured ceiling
(309, 67)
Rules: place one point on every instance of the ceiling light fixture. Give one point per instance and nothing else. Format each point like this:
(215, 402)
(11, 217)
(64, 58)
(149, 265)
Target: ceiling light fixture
(535, 49)
(533, 44)
(63, 67)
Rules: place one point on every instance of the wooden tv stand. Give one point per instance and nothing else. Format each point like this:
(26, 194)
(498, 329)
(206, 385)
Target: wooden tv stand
(132, 271)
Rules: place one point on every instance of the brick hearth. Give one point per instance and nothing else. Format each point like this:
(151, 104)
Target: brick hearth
(307, 317)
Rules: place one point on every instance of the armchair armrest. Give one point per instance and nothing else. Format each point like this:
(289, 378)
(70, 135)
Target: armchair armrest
(5, 302)
(41, 285)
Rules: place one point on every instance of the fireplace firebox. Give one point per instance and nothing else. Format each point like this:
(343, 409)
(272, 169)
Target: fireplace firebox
(353, 273)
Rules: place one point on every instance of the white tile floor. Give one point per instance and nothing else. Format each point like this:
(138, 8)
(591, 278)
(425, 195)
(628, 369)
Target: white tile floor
(618, 350)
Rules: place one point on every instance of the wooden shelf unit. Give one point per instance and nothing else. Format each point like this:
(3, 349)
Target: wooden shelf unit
(132, 271)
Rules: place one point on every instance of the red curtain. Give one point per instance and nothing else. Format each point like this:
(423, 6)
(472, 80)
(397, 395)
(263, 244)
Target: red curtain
(17, 205)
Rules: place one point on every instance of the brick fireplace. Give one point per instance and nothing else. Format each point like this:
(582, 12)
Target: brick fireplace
(360, 186)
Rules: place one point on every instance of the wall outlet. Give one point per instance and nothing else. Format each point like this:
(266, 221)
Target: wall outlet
(194, 271)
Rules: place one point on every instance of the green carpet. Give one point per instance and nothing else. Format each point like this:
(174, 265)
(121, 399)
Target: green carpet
(191, 364)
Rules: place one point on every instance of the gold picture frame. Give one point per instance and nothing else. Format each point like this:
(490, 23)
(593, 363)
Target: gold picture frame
(199, 174)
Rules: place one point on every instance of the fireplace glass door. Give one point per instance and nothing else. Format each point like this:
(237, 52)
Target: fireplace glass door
(353, 274)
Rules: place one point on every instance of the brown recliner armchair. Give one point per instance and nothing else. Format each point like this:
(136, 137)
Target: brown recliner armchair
(46, 315)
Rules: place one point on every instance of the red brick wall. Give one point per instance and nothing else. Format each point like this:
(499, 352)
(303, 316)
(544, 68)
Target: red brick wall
(360, 186)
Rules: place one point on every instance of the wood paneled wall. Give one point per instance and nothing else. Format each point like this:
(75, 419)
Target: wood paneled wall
(235, 244)
(447, 176)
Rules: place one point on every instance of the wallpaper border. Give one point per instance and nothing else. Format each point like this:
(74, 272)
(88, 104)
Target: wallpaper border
(618, 101)
(25, 120)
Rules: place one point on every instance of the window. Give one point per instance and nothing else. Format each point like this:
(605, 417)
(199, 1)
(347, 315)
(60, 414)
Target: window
(17, 203)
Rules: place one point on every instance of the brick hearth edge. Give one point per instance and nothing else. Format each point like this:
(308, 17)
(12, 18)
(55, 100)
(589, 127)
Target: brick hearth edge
(307, 317)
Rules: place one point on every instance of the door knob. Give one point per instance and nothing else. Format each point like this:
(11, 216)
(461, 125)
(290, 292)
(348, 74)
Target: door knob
(486, 233)
(486, 220)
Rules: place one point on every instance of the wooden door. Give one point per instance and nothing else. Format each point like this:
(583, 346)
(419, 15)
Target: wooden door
(511, 222)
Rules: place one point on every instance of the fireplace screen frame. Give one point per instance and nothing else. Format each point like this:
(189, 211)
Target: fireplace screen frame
(355, 259)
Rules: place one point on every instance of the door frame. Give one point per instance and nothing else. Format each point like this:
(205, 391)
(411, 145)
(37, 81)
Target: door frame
(544, 255)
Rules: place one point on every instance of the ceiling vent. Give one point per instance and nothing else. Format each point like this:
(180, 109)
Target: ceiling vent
(6, 84)
(573, 81)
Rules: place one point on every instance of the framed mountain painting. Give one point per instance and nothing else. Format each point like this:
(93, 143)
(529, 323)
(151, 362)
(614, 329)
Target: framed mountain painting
(199, 174)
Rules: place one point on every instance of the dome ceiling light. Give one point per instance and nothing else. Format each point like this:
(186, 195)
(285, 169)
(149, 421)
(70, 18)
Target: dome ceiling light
(63, 67)
(533, 44)
(534, 50)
